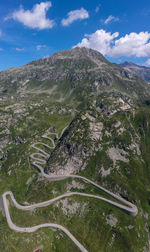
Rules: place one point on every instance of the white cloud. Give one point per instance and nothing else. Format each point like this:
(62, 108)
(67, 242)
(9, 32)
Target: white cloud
(35, 18)
(75, 15)
(1, 49)
(46, 56)
(38, 47)
(100, 41)
(147, 63)
(111, 18)
(19, 49)
(0, 33)
(97, 8)
(133, 44)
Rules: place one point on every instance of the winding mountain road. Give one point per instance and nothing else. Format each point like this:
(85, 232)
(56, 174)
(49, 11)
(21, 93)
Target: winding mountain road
(40, 158)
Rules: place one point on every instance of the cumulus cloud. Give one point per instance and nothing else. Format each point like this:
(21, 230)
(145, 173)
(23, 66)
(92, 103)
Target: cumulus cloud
(74, 15)
(111, 18)
(147, 63)
(19, 49)
(133, 44)
(100, 41)
(38, 47)
(35, 18)
(46, 56)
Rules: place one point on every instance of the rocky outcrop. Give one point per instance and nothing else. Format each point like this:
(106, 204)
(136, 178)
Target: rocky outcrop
(96, 132)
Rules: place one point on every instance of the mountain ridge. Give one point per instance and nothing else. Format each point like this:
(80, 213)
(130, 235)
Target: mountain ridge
(76, 73)
(141, 71)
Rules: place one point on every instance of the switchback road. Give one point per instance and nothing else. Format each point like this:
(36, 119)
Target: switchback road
(40, 158)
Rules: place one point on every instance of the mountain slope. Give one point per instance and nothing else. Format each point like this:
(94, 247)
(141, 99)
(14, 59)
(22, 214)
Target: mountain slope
(106, 115)
(142, 71)
(112, 150)
(70, 74)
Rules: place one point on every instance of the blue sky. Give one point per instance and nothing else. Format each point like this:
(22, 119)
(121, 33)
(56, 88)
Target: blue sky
(34, 29)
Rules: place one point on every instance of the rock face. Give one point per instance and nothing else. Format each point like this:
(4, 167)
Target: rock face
(142, 71)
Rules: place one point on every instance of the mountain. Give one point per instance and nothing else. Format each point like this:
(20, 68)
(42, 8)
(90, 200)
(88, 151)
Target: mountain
(70, 74)
(142, 71)
(84, 116)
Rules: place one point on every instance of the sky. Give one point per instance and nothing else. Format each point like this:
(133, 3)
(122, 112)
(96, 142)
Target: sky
(34, 29)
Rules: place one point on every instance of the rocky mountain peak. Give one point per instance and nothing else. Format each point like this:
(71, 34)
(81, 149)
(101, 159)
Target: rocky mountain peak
(81, 52)
(76, 73)
(142, 71)
(74, 54)
(128, 64)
